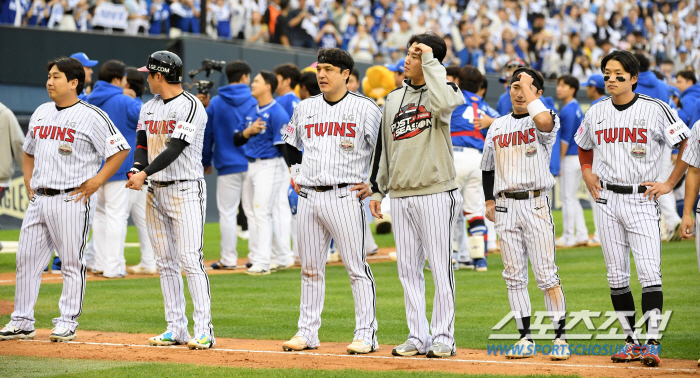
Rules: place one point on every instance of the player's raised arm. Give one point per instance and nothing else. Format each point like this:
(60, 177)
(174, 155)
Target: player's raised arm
(544, 120)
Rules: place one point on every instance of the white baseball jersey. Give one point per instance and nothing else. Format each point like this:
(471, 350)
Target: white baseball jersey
(691, 154)
(338, 138)
(629, 139)
(183, 117)
(69, 144)
(519, 153)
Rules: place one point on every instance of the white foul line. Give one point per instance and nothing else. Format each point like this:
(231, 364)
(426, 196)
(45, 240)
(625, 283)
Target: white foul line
(441, 360)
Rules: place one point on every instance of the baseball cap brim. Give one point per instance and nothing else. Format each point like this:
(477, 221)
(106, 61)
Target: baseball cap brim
(144, 69)
(90, 63)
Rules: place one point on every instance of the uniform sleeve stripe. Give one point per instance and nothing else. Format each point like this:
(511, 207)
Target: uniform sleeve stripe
(102, 114)
(668, 113)
(193, 109)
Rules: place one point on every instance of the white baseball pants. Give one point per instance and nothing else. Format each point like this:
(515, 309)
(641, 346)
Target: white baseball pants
(228, 196)
(109, 228)
(575, 230)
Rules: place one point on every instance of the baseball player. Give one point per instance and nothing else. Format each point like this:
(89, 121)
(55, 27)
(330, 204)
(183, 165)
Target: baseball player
(169, 139)
(691, 156)
(267, 177)
(516, 177)
(63, 151)
(337, 131)
(628, 132)
(414, 162)
(468, 143)
(225, 116)
(575, 232)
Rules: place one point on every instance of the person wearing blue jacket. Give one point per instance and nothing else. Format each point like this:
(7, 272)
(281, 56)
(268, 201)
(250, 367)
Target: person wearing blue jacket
(226, 115)
(687, 82)
(575, 231)
(648, 83)
(267, 175)
(111, 212)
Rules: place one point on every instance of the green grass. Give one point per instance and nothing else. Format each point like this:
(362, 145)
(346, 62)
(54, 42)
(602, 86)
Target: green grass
(28, 367)
(268, 307)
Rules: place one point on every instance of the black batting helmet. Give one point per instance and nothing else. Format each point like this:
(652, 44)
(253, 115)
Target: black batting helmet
(167, 64)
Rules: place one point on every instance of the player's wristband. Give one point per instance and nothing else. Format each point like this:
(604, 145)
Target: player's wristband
(131, 172)
(536, 107)
(583, 167)
(295, 171)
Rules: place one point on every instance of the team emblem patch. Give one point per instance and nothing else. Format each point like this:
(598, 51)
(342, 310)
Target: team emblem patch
(347, 145)
(530, 150)
(638, 152)
(65, 150)
(410, 121)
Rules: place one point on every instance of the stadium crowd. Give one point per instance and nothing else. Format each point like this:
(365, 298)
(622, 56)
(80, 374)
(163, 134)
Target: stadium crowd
(555, 37)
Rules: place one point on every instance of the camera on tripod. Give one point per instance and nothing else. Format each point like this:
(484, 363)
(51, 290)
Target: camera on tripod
(208, 65)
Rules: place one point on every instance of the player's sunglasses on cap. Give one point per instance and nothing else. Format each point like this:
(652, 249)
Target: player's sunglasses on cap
(84, 60)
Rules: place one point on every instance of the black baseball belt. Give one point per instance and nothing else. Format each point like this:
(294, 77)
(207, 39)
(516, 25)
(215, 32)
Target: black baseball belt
(623, 189)
(163, 184)
(325, 188)
(521, 195)
(53, 192)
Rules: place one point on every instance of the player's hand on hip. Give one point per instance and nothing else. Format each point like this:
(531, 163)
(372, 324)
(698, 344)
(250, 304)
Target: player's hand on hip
(86, 189)
(30, 191)
(592, 183)
(297, 187)
(362, 190)
(136, 181)
(657, 189)
(376, 208)
(491, 210)
(208, 170)
(687, 226)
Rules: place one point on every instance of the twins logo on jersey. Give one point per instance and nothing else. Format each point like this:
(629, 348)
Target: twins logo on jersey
(410, 121)
(54, 132)
(331, 129)
(515, 138)
(161, 127)
(621, 134)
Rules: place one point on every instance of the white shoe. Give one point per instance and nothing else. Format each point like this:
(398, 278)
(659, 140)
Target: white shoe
(279, 267)
(297, 343)
(333, 256)
(563, 243)
(243, 234)
(138, 269)
(594, 242)
(361, 347)
(164, 339)
(560, 350)
(522, 349)
(253, 271)
(11, 332)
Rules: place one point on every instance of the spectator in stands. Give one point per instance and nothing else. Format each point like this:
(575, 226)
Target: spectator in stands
(82, 16)
(362, 46)
(399, 38)
(222, 14)
(159, 17)
(138, 17)
(279, 34)
(582, 68)
(38, 14)
(668, 71)
(558, 64)
(13, 12)
(450, 57)
(255, 31)
(302, 28)
(490, 59)
(328, 37)
(633, 23)
(471, 54)
(349, 23)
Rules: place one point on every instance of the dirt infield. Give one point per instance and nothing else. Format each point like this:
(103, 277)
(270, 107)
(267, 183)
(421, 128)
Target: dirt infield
(330, 356)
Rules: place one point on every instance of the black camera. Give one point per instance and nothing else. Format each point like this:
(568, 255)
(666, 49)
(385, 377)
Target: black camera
(203, 86)
(208, 65)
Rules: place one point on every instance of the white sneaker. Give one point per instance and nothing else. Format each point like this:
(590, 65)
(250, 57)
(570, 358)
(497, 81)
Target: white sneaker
(594, 241)
(11, 332)
(361, 347)
(243, 234)
(522, 349)
(254, 271)
(563, 243)
(333, 256)
(138, 269)
(279, 267)
(560, 350)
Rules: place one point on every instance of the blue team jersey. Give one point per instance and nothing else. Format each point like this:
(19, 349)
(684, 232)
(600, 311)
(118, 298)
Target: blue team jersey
(288, 101)
(597, 101)
(262, 146)
(462, 123)
(571, 117)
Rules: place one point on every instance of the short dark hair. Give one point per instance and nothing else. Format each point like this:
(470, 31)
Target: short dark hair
(667, 61)
(688, 75)
(355, 73)
(433, 41)
(72, 68)
(289, 71)
(269, 78)
(136, 81)
(452, 71)
(629, 63)
(338, 58)
(658, 75)
(485, 86)
(570, 81)
(601, 91)
(236, 69)
(310, 82)
(284, 4)
(644, 62)
(470, 79)
(112, 69)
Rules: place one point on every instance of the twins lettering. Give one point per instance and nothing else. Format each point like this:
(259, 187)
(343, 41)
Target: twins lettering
(54, 132)
(622, 134)
(331, 129)
(160, 127)
(515, 138)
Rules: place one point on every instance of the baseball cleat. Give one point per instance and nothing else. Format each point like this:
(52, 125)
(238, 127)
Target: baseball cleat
(361, 347)
(138, 269)
(650, 354)
(594, 242)
(373, 252)
(11, 332)
(469, 265)
(440, 350)
(248, 264)
(279, 267)
(630, 352)
(524, 348)
(563, 243)
(560, 350)
(164, 339)
(62, 334)
(220, 265)
(257, 272)
(406, 349)
(480, 265)
(675, 236)
(297, 343)
(200, 342)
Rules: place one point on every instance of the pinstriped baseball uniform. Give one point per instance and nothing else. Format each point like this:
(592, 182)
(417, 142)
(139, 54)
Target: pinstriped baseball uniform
(691, 155)
(68, 145)
(628, 142)
(338, 140)
(520, 154)
(175, 213)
